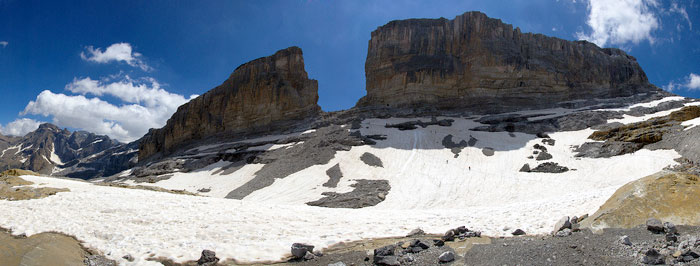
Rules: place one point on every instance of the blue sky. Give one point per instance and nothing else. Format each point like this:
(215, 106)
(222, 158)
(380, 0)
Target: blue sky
(121, 67)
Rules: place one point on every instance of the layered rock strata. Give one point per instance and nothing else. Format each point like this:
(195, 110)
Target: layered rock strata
(485, 65)
(265, 94)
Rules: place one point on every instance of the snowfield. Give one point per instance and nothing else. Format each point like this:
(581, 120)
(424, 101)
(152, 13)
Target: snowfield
(430, 189)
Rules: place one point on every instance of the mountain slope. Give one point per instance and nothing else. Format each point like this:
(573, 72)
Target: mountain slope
(50, 150)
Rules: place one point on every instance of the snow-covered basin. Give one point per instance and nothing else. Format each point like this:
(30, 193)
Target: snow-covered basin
(430, 189)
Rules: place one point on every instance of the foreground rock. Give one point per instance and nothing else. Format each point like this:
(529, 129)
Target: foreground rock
(667, 196)
(260, 96)
(580, 248)
(485, 65)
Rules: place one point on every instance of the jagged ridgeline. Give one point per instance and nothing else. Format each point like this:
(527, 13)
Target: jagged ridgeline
(50, 150)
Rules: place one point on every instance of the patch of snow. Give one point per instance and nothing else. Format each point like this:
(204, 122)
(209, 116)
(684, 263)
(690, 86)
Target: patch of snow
(251, 140)
(125, 152)
(628, 119)
(54, 157)
(691, 123)
(649, 104)
(308, 131)
(19, 148)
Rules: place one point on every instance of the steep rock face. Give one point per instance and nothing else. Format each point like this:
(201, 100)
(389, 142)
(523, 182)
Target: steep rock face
(483, 64)
(266, 94)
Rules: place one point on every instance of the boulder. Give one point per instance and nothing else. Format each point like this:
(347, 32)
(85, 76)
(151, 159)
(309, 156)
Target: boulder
(563, 223)
(446, 256)
(386, 261)
(525, 168)
(652, 257)
(670, 228)
(518, 232)
(208, 258)
(415, 232)
(654, 225)
(550, 167)
(625, 240)
(449, 235)
(563, 233)
(299, 250)
(543, 156)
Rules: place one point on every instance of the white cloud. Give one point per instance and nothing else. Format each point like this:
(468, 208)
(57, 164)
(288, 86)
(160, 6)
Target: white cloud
(4, 44)
(681, 11)
(620, 21)
(692, 82)
(20, 127)
(115, 52)
(147, 106)
(147, 93)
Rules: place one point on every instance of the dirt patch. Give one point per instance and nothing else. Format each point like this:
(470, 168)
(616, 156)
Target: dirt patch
(151, 188)
(44, 249)
(17, 172)
(14, 181)
(14, 188)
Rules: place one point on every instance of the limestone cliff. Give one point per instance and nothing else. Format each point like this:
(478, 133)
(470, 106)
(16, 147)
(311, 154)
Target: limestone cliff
(485, 65)
(265, 94)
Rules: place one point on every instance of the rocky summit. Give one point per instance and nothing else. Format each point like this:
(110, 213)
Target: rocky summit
(50, 150)
(482, 64)
(264, 95)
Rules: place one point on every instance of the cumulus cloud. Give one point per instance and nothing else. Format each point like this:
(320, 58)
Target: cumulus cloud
(620, 21)
(115, 52)
(4, 43)
(692, 82)
(147, 93)
(146, 105)
(20, 127)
